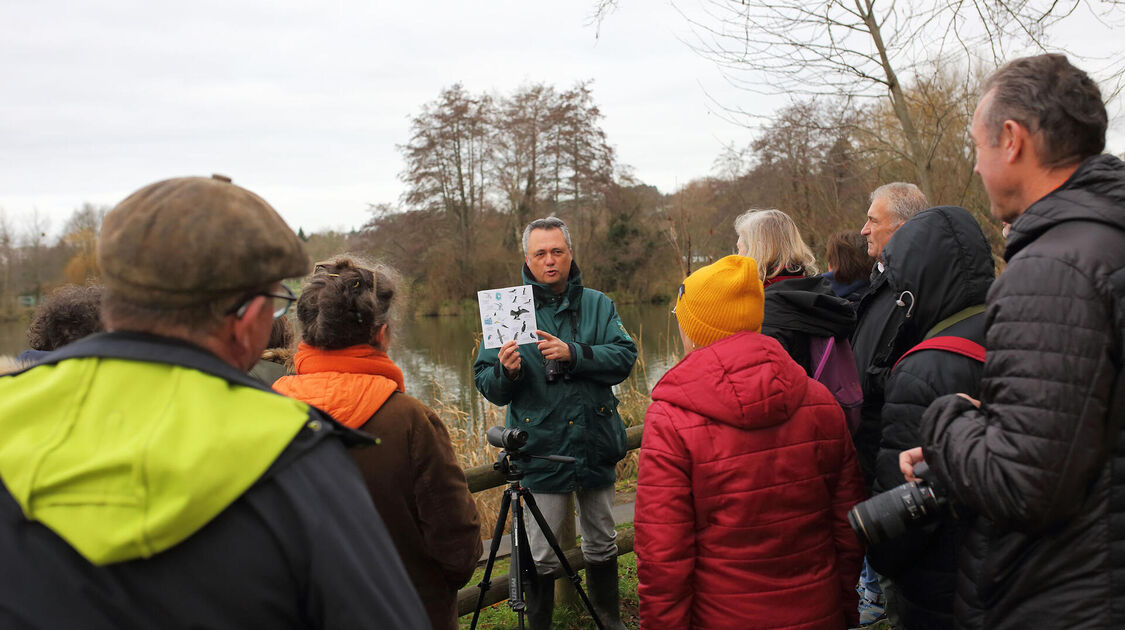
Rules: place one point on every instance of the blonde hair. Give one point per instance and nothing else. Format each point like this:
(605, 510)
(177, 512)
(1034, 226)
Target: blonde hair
(771, 238)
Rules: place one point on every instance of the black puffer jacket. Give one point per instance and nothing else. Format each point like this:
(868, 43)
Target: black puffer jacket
(798, 309)
(943, 259)
(1047, 549)
(910, 283)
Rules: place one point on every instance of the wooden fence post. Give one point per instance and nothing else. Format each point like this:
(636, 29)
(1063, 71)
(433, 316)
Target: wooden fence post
(565, 595)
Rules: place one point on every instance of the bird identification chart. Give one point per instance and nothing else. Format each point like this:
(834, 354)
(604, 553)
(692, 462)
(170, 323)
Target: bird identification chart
(507, 314)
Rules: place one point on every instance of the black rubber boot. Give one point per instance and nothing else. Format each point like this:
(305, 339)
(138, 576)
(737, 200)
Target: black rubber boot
(541, 602)
(601, 581)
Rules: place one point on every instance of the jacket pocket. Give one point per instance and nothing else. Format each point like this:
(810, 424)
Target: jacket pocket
(608, 430)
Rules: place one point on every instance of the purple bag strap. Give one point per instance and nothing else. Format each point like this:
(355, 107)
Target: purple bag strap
(824, 358)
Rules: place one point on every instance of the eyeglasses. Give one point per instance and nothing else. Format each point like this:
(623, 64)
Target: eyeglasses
(679, 294)
(281, 303)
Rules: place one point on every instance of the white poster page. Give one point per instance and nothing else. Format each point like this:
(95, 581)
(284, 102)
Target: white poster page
(507, 314)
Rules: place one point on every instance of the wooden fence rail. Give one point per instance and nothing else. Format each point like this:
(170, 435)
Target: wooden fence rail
(483, 478)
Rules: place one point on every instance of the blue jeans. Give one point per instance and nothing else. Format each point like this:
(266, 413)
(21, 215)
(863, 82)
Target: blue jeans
(870, 579)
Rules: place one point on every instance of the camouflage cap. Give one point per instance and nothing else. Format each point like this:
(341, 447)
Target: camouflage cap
(189, 240)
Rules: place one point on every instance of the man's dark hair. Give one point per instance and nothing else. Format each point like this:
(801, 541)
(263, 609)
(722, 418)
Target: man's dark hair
(69, 314)
(847, 256)
(1053, 99)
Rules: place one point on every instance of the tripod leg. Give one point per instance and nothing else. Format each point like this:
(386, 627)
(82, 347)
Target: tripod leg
(554, 544)
(484, 585)
(516, 566)
(540, 589)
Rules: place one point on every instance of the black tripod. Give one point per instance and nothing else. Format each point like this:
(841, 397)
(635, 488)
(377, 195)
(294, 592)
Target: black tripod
(517, 494)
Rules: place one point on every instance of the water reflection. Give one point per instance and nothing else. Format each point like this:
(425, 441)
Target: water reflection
(13, 338)
(436, 354)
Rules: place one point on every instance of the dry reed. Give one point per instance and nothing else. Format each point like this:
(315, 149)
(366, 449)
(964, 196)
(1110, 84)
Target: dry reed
(467, 427)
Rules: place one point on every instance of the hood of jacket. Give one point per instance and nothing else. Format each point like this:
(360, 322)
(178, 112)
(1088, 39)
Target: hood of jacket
(127, 458)
(807, 305)
(937, 263)
(845, 290)
(746, 380)
(1094, 192)
(351, 384)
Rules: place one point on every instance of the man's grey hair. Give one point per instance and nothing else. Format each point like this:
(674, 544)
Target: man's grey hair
(550, 223)
(903, 200)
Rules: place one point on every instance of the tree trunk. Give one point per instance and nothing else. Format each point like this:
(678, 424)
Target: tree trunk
(918, 155)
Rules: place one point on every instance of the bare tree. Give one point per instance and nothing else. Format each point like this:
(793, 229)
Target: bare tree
(522, 155)
(866, 48)
(36, 226)
(79, 237)
(583, 161)
(7, 260)
(447, 164)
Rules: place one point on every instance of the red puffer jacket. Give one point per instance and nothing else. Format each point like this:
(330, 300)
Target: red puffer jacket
(747, 473)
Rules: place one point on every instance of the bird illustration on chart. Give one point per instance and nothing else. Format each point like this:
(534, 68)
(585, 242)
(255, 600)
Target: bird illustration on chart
(507, 314)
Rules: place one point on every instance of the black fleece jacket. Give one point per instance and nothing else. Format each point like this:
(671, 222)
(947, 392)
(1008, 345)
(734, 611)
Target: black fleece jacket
(936, 264)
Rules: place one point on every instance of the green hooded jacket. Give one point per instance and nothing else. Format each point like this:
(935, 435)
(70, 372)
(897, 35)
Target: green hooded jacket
(577, 414)
(146, 483)
(121, 475)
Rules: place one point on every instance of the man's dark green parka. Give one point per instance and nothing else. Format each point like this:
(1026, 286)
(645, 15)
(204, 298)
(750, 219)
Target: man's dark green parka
(577, 414)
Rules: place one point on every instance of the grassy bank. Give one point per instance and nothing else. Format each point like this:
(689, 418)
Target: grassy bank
(500, 617)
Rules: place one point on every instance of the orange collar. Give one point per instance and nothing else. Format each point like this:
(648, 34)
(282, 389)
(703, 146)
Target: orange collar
(361, 359)
(351, 384)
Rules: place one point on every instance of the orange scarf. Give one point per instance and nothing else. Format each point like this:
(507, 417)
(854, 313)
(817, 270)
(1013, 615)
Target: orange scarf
(351, 383)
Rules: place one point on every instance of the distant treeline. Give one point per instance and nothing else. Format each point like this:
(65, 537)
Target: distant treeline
(478, 167)
(31, 263)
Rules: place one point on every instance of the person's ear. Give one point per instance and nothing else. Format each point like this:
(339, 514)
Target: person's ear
(381, 337)
(1015, 140)
(245, 329)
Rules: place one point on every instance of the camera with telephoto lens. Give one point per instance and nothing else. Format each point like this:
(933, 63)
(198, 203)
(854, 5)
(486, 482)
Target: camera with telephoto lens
(553, 370)
(508, 439)
(887, 514)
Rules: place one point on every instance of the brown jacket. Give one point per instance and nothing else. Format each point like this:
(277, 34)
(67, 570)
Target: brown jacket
(411, 473)
(421, 493)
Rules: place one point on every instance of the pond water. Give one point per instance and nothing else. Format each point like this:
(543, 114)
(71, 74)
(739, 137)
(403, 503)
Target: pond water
(436, 355)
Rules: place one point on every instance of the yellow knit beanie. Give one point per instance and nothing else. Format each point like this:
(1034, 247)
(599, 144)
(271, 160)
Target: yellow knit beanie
(720, 300)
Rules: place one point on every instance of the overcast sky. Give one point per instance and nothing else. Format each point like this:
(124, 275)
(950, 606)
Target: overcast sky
(304, 102)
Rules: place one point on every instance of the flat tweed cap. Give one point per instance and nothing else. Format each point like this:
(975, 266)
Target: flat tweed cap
(189, 240)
